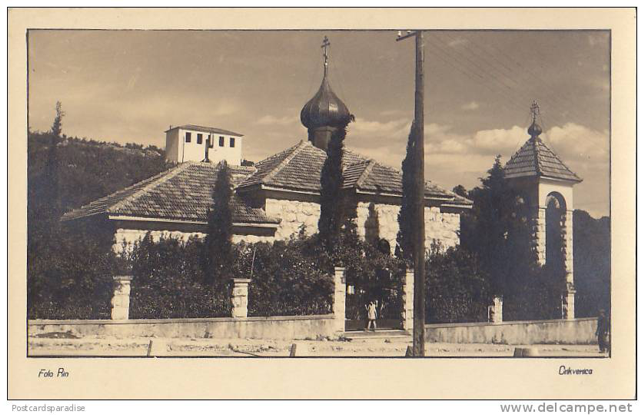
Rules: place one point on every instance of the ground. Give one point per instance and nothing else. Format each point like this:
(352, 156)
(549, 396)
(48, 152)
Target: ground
(358, 346)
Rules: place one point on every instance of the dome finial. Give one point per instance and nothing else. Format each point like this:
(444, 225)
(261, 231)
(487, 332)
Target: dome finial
(325, 46)
(534, 130)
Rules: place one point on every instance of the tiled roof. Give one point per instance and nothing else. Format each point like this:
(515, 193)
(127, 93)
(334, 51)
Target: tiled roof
(185, 192)
(535, 159)
(205, 129)
(300, 167)
(181, 193)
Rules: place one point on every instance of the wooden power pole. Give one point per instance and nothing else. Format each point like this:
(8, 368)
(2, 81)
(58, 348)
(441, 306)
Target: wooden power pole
(419, 197)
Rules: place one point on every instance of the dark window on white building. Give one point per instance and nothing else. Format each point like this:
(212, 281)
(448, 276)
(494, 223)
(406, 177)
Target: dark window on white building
(199, 138)
(188, 137)
(221, 141)
(232, 141)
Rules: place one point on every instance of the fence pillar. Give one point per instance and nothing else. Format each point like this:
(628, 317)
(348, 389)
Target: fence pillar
(495, 311)
(240, 297)
(568, 304)
(408, 301)
(339, 298)
(121, 297)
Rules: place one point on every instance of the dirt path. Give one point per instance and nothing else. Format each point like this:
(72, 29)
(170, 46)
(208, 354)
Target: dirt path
(139, 347)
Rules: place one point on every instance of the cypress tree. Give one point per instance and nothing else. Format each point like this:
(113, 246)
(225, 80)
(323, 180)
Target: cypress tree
(57, 126)
(52, 197)
(218, 248)
(332, 204)
(405, 215)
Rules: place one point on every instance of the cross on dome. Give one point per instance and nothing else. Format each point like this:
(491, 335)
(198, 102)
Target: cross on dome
(535, 129)
(325, 46)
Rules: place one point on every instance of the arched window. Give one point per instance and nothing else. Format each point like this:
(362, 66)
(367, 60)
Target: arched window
(555, 222)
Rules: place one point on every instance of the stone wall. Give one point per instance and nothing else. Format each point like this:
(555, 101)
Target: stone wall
(577, 331)
(293, 215)
(280, 328)
(130, 236)
(382, 220)
(372, 218)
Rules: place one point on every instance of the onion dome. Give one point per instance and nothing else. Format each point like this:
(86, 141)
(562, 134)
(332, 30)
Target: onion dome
(325, 109)
(534, 130)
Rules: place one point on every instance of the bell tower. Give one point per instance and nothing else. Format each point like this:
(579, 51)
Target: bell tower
(546, 183)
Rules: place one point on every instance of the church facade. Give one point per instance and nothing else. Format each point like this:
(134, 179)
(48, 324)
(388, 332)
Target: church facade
(276, 198)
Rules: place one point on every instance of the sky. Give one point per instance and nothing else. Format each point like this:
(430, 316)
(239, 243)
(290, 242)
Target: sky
(130, 86)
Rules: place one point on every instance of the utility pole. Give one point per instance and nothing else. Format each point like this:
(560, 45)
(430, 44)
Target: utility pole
(419, 197)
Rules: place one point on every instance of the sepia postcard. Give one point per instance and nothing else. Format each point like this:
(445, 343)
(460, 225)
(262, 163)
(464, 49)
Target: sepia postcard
(321, 203)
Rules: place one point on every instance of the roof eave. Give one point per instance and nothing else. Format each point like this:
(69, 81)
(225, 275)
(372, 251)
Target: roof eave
(192, 222)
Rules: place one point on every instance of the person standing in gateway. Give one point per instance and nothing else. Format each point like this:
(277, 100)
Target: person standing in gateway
(371, 315)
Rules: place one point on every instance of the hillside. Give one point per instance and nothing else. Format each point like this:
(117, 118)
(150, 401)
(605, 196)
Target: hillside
(87, 169)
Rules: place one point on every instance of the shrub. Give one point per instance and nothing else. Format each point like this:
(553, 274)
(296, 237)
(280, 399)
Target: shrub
(69, 277)
(456, 287)
(167, 282)
(286, 280)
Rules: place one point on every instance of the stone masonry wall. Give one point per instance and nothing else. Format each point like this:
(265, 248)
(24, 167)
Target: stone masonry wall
(130, 236)
(439, 227)
(293, 214)
(373, 219)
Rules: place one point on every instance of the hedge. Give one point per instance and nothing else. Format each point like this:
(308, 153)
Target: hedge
(168, 282)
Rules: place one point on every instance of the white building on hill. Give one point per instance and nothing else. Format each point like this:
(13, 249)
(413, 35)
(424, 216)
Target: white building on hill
(188, 143)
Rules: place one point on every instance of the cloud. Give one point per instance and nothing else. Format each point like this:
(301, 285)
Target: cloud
(389, 113)
(271, 120)
(470, 106)
(498, 141)
(363, 126)
(579, 144)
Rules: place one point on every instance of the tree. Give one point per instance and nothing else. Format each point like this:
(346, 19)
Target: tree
(405, 238)
(332, 203)
(592, 257)
(218, 250)
(460, 190)
(51, 197)
(57, 126)
(498, 232)
(457, 287)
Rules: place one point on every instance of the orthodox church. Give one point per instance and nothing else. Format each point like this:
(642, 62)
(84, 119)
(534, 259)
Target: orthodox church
(273, 199)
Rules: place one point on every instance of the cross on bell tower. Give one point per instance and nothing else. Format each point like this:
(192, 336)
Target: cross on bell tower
(534, 109)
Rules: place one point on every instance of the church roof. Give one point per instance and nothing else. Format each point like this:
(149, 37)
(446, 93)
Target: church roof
(299, 168)
(535, 159)
(184, 192)
(181, 193)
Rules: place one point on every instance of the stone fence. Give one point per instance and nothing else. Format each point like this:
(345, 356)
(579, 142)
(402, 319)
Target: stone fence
(574, 331)
(279, 328)
(239, 325)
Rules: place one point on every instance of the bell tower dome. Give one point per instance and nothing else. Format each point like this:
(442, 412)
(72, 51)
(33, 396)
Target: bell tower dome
(325, 112)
